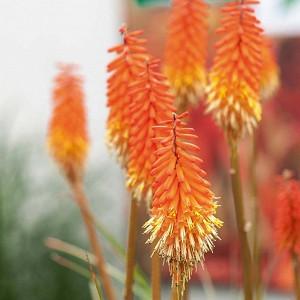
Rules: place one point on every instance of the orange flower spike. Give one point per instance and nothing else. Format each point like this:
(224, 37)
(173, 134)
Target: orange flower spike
(68, 140)
(183, 224)
(270, 72)
(185, 52)
(233, 92)
(124, 70)
(288, 216)
(152, 103)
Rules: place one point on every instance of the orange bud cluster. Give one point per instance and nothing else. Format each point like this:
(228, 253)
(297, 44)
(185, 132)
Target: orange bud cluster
(288, 216)
(152, 103)
(67, 137)
(125, 68)
(183, 225)
(234, 89)
(185, 52)
(270, 72)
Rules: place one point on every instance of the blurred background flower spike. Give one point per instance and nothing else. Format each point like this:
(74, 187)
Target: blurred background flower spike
(68, 143)
(185, 51)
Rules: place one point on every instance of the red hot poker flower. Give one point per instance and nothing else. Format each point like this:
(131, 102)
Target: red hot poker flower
(152, 103)
(67, 136)
(270, 71)
(185, 52)
(183, 225)
(288, 216)
(234, 90)
(125, 69)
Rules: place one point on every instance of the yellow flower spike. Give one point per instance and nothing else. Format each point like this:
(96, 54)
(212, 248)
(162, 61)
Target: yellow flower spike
(152, 103)
(124, 69)
(270, 81)
(67, 134)
(234, 88)
(182, 224)
(185, 51)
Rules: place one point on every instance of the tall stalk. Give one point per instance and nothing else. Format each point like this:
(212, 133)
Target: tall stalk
(131, 250)
(186, 291)
(256, 222)
(155, 276)
(83, 204)
(240, 219)
(176, 293)
(296, 269)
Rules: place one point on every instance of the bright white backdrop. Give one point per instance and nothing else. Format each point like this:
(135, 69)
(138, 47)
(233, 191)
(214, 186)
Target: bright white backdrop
(280, 20)
(34, 35)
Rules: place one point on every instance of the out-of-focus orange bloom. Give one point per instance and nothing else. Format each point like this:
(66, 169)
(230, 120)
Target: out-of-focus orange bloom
(131, 54)
(288, 216)
(183, 225)
(152, 103)
(270, 71)
(185, 51)
(233, 93)
(67, 137)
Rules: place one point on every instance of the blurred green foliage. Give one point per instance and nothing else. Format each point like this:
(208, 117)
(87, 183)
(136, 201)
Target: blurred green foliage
(35, 203)
(26, 271)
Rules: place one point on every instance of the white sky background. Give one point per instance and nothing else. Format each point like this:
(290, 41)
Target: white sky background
(35, 34)
(279, 20)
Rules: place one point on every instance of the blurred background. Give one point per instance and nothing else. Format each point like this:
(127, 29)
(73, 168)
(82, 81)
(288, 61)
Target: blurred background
(35, 202)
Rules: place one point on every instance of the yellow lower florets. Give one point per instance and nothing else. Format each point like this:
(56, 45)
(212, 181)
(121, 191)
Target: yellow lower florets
(188, 85)
(69, 151)
(182, 241)
(235, 107)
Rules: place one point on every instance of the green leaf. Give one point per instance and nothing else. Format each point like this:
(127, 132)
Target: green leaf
(119, 249)
(95, 291)
(116, 246)
(112, 271)
(141, 287)
(94, 284)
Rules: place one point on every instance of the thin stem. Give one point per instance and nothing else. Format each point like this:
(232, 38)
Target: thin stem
(131, 250)
(256, 223)
(176, 293)
(155, 276)
(83, 204)
(240, 218)
(296, 269)
(186, 291)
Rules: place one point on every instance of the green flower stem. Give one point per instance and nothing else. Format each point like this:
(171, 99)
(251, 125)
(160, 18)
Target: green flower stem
(155, 276)
(131, 250)
(83, 204)
(240, 218)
